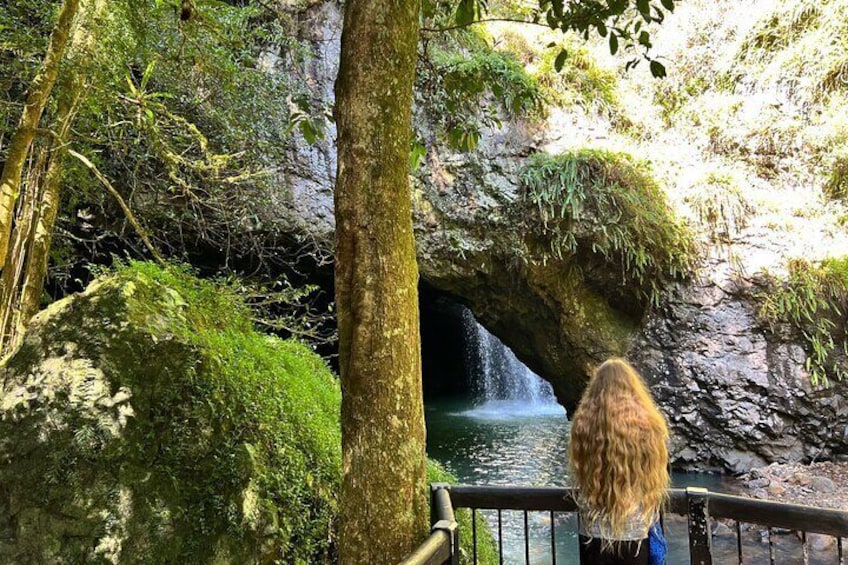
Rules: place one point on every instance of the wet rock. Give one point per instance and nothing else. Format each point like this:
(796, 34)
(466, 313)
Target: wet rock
(758, 483)
(721, 529)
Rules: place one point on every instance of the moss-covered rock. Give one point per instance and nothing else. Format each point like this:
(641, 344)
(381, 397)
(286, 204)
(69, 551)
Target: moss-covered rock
(144, 421)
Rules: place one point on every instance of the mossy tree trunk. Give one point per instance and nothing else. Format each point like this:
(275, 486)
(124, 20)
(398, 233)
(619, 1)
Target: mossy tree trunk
(38, 249)
(21, 141)
(25, 266)
(383, 505)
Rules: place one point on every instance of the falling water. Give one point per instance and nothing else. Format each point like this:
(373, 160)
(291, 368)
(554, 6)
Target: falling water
(501, 384)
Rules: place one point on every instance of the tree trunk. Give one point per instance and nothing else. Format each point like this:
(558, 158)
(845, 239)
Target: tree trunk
(383, 504)
(13, 269)
(38, 251)
(39, 93)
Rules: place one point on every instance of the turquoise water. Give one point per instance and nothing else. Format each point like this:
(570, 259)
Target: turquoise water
(518, 443)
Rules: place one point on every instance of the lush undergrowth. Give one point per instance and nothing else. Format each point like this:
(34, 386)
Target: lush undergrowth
(813, 299)
(469, 86)
(610, 205)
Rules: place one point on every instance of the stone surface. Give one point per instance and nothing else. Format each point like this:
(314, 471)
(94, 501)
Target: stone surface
(115, 446)
(737, 396)
(469, 218)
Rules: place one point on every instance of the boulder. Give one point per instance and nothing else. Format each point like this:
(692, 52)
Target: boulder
(143, 421)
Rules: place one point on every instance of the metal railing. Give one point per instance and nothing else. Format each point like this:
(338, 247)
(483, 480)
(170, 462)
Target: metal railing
(700, 506)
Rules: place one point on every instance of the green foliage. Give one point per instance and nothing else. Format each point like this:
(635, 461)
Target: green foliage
(836, 186)
(813, 299)
(609, 204)
(580, 81)
(625, 23)
(188, 119)
(232, 447)
(782, 27)
(809, 35)
(721, 206)
(472, 88)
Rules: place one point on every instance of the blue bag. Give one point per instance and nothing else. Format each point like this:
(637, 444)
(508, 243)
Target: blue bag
(657, 547)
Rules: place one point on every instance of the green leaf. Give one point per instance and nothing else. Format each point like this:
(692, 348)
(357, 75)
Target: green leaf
(613, 44)
(148, 72)
(416, 155)
(644, 6)
(429, 8)
(602, 29)
(657, 69)
(465, 12)
(557, 7)
(668, 5)
(559, 62)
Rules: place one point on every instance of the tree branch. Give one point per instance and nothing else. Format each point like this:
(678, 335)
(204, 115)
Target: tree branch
(488, 20)
(122, 203)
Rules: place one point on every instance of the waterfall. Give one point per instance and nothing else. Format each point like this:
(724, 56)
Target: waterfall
(498, 380)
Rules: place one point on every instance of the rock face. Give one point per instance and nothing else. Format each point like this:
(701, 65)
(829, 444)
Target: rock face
(469, 219)
(736, 395)
(468, 224)
(125, 439)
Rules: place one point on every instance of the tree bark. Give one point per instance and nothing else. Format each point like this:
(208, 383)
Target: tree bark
(39, 93)
(38, 251)
(383, 504)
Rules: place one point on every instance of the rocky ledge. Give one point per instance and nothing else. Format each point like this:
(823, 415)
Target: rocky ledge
(821, 484)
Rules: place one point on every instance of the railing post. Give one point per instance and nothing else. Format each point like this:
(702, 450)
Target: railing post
(442, 518)
(700, 538)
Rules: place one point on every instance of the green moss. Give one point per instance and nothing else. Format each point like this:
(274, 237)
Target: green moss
(814, 299)
(231, 452)
(608, 205)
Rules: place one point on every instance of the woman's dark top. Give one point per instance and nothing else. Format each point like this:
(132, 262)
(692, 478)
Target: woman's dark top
(633, 552)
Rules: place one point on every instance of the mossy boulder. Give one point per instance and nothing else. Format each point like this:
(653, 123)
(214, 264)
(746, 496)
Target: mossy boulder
(144, 421)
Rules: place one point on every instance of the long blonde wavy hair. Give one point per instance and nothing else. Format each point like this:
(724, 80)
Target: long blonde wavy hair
(618, 454)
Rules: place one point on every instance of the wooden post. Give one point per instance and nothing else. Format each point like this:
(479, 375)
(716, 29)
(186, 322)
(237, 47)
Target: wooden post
(700, 537)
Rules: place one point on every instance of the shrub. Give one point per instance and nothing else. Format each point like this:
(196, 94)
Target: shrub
(814, 299)
(469, 89)
(721, 206)
(609, 204)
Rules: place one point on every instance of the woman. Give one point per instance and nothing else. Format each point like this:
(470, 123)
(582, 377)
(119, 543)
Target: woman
(619, 464)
